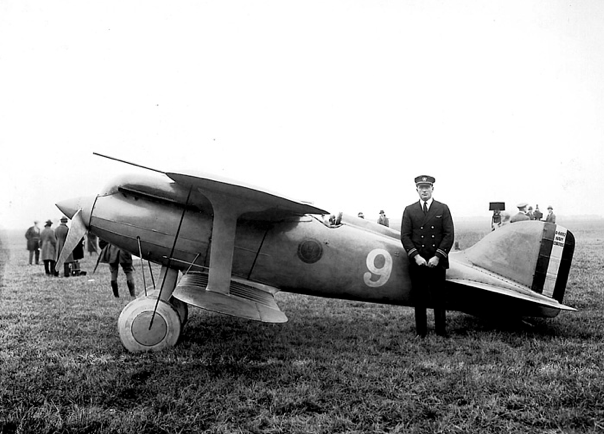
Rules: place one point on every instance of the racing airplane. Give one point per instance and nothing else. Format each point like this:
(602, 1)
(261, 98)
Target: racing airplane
(229, 247)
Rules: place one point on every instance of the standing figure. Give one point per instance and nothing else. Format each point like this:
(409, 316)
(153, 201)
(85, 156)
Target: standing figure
(33, 243)
(551, 217)
(496, 219)
(383, 220)
(537, 214)
(115, 257)
(61, 234)
(427, 234)
(530, 213)
(521, 216)
(48, 246)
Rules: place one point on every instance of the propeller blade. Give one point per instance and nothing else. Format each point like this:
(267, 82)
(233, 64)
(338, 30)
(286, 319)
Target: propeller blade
(75, 234)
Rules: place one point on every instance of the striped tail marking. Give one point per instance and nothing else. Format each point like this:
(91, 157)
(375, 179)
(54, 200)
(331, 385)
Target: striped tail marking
(553, 264)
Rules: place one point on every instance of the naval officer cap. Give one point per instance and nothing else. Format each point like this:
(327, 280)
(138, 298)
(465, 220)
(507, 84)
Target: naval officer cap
(424, 179)
(521, 205)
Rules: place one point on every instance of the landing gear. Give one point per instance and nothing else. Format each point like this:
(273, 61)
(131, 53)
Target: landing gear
(139, 334)
(181, 307)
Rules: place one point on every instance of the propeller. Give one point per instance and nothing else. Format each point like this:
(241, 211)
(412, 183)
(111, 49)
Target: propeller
(75, 234)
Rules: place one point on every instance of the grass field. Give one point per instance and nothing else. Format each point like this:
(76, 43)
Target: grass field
(336, 366)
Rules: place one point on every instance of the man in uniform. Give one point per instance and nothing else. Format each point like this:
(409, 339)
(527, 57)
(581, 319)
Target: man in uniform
(521, 216)
(427, 235)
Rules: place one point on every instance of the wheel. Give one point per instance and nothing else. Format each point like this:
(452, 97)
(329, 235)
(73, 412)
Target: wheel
(181, 307)
(134, 321)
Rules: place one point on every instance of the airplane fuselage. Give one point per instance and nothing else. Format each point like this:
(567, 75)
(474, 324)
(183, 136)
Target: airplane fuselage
(297, 254)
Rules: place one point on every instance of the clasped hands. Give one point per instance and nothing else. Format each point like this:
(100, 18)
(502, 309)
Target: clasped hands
(433, 262)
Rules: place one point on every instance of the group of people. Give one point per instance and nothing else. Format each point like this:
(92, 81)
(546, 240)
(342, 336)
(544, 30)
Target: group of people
(382, 219)
(47, 244)
(525, 212)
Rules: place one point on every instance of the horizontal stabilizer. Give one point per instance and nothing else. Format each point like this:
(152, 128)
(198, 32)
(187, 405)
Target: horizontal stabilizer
(531, 297)
(245, 299)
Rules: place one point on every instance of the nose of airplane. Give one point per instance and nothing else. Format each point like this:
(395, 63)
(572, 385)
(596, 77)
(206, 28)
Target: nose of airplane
(70, 206)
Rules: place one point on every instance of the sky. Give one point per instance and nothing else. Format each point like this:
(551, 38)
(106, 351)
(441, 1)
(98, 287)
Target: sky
(340, 103)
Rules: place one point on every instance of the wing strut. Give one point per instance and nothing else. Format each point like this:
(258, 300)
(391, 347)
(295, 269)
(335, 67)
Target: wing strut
(223, 246)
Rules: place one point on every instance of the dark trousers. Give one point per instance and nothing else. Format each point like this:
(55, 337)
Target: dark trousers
(128, 270)
(49, 267)
(427, 291)
(32, 254)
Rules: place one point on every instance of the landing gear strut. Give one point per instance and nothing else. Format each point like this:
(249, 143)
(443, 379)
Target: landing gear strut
(143, 330)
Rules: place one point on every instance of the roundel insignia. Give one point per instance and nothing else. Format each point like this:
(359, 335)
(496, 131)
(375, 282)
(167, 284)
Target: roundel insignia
(310, 251)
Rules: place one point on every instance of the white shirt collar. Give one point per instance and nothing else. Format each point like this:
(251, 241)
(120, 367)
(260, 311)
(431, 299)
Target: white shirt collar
(428, 202)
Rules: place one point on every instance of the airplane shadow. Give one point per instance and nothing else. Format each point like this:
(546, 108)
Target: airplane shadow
(563, 326)
(356, 325)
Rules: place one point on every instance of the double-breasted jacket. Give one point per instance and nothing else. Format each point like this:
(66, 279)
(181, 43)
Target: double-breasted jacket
(428, 234)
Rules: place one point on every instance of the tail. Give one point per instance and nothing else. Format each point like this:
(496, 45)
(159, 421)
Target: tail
(524, 266)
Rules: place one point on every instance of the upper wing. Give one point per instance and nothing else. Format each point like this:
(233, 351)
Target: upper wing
(253, 201)
(231, 200)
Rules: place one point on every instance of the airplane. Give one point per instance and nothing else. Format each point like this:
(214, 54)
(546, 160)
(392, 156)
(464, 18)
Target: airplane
(229, 247)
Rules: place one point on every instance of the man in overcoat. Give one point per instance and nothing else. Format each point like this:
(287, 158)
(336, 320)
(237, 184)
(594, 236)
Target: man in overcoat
(427, 234)
(33, 243)
(48, 246)
(61, 234)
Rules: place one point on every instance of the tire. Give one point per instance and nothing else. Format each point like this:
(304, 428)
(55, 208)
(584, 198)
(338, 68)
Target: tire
(134, 321)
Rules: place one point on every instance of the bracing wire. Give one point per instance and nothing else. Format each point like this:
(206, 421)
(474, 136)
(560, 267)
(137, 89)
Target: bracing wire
(140, 255)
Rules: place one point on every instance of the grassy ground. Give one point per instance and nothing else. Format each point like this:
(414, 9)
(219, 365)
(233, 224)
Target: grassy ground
(336, 366)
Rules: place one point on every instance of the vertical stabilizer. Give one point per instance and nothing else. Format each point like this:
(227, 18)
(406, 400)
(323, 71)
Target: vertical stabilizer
(536, 255)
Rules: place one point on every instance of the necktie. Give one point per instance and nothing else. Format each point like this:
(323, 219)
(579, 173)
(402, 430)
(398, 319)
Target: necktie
(425, 208)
